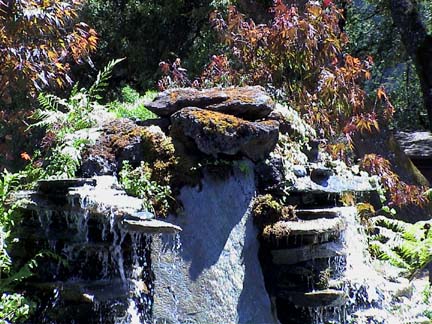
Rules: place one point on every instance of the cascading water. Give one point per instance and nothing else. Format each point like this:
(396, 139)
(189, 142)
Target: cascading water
(102, 272)
(371, 297)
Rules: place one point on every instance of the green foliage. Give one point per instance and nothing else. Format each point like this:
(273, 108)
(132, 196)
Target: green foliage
(372, 32)
(67, 123)
(14, 308)
(407, 246)
(133, 105)
(147, 32)
(137, 182)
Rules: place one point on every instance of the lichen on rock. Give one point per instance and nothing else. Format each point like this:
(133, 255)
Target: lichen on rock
(246, 102)
(216, 133)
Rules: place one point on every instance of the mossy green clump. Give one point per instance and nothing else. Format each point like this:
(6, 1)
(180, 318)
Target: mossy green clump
(217, 122)
(266, 211)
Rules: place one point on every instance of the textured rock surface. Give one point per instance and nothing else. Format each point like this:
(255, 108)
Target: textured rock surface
(215, 133)
(416, 144)
(216, 276)
(245, 102)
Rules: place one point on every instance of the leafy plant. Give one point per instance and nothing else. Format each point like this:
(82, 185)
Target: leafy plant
(400, 193)
(133, 105)
(29, 61)
(137, 182)
(407, 246)
(301, 52)
(14, 308)
(67, 123)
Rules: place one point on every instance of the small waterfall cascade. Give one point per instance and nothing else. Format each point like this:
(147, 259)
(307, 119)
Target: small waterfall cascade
(318, 270)
(96, 242)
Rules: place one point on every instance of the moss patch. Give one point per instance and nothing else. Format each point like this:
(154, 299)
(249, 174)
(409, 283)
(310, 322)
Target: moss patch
(266, 211)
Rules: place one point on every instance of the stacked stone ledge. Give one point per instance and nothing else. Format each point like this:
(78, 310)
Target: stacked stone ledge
(231, 121)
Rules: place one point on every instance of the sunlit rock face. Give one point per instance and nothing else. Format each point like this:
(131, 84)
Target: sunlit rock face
(249, 103)
(216, 133)
(215, 276)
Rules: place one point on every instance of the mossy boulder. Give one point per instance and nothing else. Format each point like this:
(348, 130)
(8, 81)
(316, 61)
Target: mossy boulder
(217, 133)
(122, 140)
(246, 102)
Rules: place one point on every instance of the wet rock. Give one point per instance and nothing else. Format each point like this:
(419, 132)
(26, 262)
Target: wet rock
(308, 214)
(97, 165)
(312, 150)
(326, 298)
(416, 144)
(62, 186)
(270, 174)
(299, 171)
(305, 232)
(245, 102)
(285, 125)
(332, 184)
(418, 147)
(150, 226)
(321, 175)
(309, 252)
(216, 133)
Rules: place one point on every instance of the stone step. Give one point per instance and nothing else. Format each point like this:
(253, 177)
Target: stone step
(62, 186)
(85, 291)
(306, 253)
(319, 298)
(310, 214)
(149, 226)
(302, 232)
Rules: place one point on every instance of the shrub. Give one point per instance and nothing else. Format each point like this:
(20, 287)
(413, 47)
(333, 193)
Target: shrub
(133, 105)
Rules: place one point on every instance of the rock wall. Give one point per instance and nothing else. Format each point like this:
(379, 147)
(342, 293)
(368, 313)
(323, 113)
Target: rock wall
(215, 276)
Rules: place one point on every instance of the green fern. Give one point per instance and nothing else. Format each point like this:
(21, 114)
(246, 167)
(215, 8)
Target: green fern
(102, 78)
(65, 117)
(407, 246)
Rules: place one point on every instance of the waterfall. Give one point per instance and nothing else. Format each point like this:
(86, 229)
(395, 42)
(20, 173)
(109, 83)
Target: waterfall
(102, 239)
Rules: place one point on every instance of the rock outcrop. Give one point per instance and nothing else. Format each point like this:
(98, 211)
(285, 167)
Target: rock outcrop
(245, 102)
(215, 133)
(418, 147)
(215, 276)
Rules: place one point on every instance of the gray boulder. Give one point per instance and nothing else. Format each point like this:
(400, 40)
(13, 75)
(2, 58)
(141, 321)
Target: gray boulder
(216, 133)
(214, 275)
(246, 102)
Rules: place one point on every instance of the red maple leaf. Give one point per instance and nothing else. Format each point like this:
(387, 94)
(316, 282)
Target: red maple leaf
(327, 3)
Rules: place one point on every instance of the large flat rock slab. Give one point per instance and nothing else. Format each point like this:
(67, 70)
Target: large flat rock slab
(416, 145)
(305, 232)
(320, 298)
(245, 102)
(215, 276)
(216, 133)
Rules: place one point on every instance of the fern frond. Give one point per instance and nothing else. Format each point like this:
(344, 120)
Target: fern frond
(392, 224)
(48, 118)
(102, 78)
(386, 253)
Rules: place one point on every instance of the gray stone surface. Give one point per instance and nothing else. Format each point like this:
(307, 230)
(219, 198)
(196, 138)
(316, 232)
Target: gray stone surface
(245, 102)
(416, 144)
(333, 184)
(321, 298)
(215, 277)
